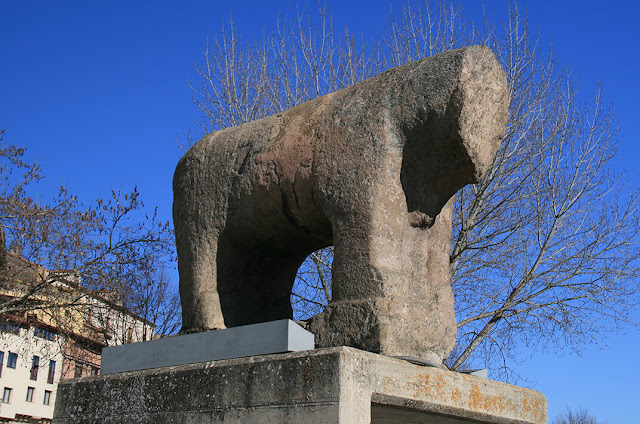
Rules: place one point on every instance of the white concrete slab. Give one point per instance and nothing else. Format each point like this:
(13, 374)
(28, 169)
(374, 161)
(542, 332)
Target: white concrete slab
(248, 340)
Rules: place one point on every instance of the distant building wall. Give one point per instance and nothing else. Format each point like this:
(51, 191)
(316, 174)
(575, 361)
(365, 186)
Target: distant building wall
(66, 341)
(30, 370)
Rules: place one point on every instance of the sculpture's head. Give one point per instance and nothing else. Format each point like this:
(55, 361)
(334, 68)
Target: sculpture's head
(451, 130)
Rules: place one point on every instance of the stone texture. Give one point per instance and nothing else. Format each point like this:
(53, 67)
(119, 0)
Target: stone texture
(369, 169)
(334, 385)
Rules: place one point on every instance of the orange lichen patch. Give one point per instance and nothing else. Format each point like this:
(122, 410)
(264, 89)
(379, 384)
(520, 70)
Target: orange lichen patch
(535, 407)
(475, 398)
(307, 376)
(421, 387)
(488, 403)
(433, 387)
(456, 396)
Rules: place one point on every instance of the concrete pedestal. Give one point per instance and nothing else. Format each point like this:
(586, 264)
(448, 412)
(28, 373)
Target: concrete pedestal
(333, 385)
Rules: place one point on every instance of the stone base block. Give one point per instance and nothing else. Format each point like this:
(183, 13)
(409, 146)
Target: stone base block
(248, 340)
(333, 385)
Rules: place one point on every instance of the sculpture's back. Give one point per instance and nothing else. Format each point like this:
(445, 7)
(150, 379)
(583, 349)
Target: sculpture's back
(370, 169)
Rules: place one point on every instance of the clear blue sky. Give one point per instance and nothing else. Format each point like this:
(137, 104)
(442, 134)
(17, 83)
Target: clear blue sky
(97, 93)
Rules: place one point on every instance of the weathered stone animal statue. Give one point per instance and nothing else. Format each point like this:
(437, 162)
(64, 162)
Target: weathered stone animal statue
(370, 169)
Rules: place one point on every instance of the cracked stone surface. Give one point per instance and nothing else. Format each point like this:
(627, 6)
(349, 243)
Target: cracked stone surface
(370, 169)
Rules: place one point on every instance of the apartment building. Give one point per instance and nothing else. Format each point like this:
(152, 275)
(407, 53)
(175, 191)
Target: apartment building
(31, 364)
(40, 347)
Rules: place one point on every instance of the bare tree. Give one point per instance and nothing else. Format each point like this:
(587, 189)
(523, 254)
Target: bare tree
(544, 249)
(53, 255)
(154, 297)
(300, 61)
(545, 246)
(313, 284)
(580, 416)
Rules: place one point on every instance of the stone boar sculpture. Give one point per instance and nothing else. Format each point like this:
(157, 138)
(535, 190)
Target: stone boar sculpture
(370, 169)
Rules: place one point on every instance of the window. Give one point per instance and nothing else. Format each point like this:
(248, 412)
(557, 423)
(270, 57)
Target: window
(9, 327)
(12, 360)
(95, 370)
(6, 395)
(52, 372)
(30, 391)
(1, 362)
(47, 397)
(35, 364)
(45, 334)
(78, 371)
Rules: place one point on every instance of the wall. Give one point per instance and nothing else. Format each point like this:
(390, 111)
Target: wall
(26, 345)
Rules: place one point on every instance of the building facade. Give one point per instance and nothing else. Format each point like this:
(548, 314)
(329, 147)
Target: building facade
(40, 347)
(30, 368)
